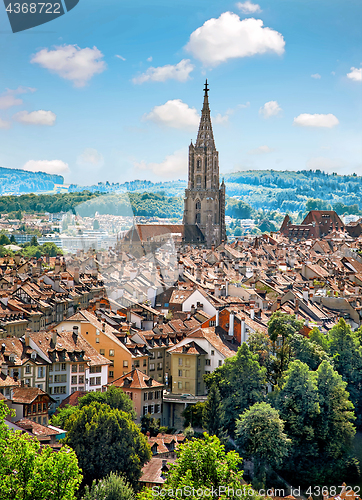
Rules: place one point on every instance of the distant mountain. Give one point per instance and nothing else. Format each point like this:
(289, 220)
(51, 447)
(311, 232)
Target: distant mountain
(171, 188)
(16, 181)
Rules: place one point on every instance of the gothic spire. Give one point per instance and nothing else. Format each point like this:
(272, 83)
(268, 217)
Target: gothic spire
(205, 136)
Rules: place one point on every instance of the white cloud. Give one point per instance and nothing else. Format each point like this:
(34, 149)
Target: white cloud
(40, 117)
(4, 124)
(269, 109)
(48, 166)
(91, 157)
(174, 165)
(228, 37)
(120, 57)
(248, 7)
(71, 62)
(176, 114)
(355, 74)
(316, 120)
(8, 99)
(261, 150)
(246, 105)
(316, 76)
(149, 59)
(180, 72)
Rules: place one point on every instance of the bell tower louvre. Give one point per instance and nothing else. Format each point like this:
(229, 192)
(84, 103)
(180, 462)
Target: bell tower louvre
(204, 196)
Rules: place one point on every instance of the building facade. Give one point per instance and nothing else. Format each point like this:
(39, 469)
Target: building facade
(204, 197)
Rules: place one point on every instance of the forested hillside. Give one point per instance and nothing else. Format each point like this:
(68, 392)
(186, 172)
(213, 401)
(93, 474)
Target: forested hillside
(289, 191)
(22, 181)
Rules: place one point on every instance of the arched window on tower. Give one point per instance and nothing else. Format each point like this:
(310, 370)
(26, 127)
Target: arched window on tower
(198, 218)
(215, 163)
(198, 181)
(198, 164)
(198, 205)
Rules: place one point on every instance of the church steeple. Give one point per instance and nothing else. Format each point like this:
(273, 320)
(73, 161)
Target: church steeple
(204, 197)
(205, 136)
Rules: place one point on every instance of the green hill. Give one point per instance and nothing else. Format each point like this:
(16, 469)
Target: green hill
(16, 181)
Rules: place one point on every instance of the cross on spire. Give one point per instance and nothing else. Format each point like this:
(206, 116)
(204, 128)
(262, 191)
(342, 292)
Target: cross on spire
(206, 88)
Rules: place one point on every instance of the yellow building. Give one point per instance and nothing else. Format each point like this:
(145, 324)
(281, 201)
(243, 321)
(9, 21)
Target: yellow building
(103, 338)
(187, 369)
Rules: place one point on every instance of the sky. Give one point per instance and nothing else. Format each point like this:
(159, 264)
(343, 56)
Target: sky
(112, 90)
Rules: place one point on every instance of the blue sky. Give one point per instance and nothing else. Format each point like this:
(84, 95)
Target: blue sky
(112, 90)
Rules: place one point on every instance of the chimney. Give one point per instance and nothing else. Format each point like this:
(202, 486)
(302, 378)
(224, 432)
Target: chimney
(296, 308)
(243, 331)
(57, 266)
(305, 294)
(279, 303)
(217, 317)
(252, 311)
(54, 336)
(193, 310)
(75, 331)
(17, 259)
(231, 323)
(217, 290)
(27, 336)
(212, 247)
(76, 275)
(103, 326)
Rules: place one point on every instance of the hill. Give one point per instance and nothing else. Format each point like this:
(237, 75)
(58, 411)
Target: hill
(16, 181)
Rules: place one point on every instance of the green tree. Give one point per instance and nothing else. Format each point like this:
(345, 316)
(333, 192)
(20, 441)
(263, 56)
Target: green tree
(281, 327)
(4, 240)
(96, 225)
(260, 436)
(203, 463)
(59, 419)
(211, 414)
(150, 424)
(307, 351)
(12, 239)
(259, 343)
(34, 242)
(112, 487)
(193, 414)
(106, 440)
(319, 338)
(51, 249)
(345, 348)
(29, 472)
(298, 404)
(241, 381)
(113, 397)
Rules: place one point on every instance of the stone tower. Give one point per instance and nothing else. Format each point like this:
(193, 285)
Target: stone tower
(204, 197)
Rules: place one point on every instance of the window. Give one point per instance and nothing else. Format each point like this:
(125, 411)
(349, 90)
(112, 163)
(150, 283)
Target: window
(152, 367)
(92, 381)
(98, 380)
(27, 369)
(95, 369)
(180, 373)
(180, 385)
(97, 332)
(74, 379)
(137, 363)
(102, 351)
(198, 218)
(145, 362)
(44, 420)
(56, 379)
(145, 410)
(212, 353)
(207, 362)
(159, 366)
(81, 368)
(74, 368)
(111, 373)
(73, 389)
(212, 323)
(51, 368)
(152, 409)
(34, 408)
(220, 362)
(157, 395)
(41, 373)
(97, 340)
(198, 205)
(81, 379)
(125, 363)
(150, 396)
(63, 378)
(111, 352)
(159, 354)
(44, 407)
(57, 367)
(39, 407)
(180, 361)
(64, 367)
(63, 390)
(145, 396)
(157, 408)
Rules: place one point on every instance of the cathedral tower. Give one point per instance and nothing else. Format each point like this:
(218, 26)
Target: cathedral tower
(204, 197)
